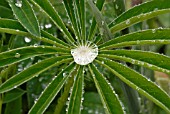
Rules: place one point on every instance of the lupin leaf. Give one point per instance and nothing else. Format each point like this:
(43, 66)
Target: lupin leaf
(154, 36)
(51, 91)
(108, 96)
(19, 54)
(138, 82)
(149, 60)
(25, 15)
(32, 71)
(47, 7)
(75, 102)
(140, 13)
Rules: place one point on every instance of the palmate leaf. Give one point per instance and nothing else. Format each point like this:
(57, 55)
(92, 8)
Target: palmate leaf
(155, 36)
(25, 15)
(32, 72)
(14, 27)
(109, 98)
(19, 54)
(46, 6)
(75, 102)
(149, 60)
(140, 13)
(138, 82)
(51, 91)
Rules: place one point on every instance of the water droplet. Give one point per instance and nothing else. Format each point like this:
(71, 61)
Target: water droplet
(48, 26)
(18, 3)
(35, 45)
(27, 40)
(127, 21)
(153, 30)
(102, 22)
(85, 54)
(17, 55)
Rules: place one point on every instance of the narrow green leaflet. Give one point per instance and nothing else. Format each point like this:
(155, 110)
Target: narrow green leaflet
(108, 96)
(154, 36)
(25, 15)
(32, 72)
(4, 7)
(149, 60)
(53, 14)
(69, 6)
(140, 13)
(81, 16)
(93, 27)
(19, 54)
(13, 95)
(57, 40)
(51, 91)
(103, 28)
(138, 82)
(14, 27)
(75, 102)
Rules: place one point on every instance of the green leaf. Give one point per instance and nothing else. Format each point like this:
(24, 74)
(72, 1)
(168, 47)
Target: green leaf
(32, 72)
(19, 54)
(13, 95)
(93, 27)
(108, 96)
(103, 28)
(75, 102)
(14, 107)
(53, 15)
(154, 36)
(149, 60)
(81, 16)
(139, 83)
(25, 15)
(14, 27)
(51, 91)
(140, 13)
(5, 10)
(69, 5)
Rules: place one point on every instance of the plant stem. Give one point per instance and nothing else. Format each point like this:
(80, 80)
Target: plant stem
(63, 99)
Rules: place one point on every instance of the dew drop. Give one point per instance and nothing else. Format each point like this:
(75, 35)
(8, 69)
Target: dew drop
(127, 21)
(153, 30)
(18, 3)
(35, 45)
(48, 26)
(27, 40)
(17, 55)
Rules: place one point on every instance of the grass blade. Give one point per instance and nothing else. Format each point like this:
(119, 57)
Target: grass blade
(51, 91)
(75, 102)
(25, 15)
(47, 7)
(140, 13)
(154, 36)
(108, 96)
(19, 54)
(139, 83)
(32, 71)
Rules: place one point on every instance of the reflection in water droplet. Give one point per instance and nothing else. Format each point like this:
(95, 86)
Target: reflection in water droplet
(85, 54)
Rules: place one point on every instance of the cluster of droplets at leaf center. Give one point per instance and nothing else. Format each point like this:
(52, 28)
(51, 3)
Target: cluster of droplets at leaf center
(85, 54)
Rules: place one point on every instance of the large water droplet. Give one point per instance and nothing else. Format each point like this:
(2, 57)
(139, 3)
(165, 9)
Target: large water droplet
(85, 54)
(18, 3)
(128, 21)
